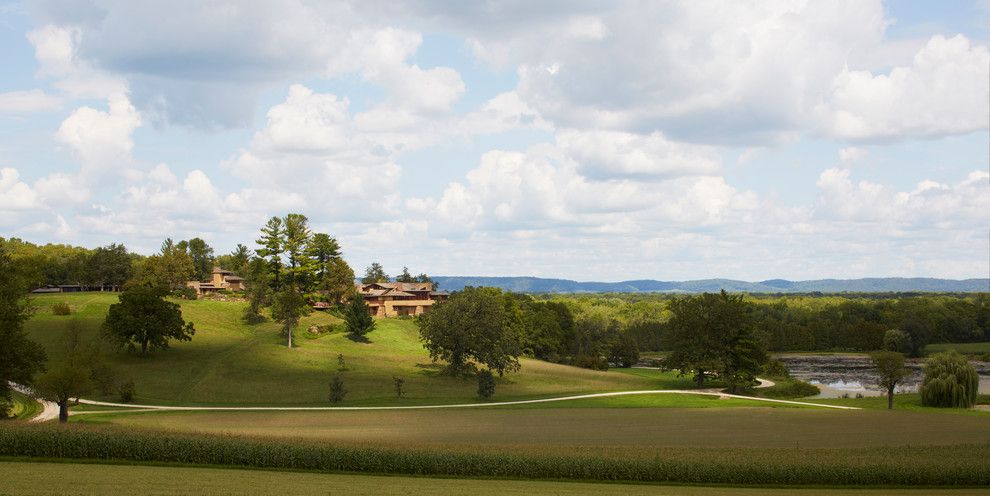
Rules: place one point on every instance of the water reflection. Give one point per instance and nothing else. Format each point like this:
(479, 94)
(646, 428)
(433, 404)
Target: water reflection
(840, 375)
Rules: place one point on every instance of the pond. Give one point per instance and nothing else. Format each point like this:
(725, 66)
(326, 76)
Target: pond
(838, 375)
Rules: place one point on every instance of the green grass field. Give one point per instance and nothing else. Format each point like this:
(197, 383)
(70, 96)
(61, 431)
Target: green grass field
(26, 478)
(23, 407)
(229, 362)
(964, 348)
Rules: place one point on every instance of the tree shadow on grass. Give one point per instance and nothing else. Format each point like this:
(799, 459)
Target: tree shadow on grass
(358, 338)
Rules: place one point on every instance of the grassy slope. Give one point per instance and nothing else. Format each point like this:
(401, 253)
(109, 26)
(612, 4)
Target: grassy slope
(228, 362)
(82, 479)
(24, 407)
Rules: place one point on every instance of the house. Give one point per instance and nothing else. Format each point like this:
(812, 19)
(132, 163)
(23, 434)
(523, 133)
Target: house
(393, 299)
(221, 280)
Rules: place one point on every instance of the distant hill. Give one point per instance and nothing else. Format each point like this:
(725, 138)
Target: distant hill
(867, 285)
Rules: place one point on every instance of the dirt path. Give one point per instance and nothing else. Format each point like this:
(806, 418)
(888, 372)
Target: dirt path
(133, 407)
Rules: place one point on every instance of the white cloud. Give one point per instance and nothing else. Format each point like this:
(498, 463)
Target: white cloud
(28, 102)
(851, 154)
(14, 194)
(943, 92)
(611, 154)
(101, 140)
(931, 205)
(55, 49)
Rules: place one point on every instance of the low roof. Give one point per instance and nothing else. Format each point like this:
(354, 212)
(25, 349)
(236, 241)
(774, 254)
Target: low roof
(234, 278)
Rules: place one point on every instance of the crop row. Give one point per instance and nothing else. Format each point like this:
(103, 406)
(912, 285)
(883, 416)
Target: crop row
(930, 466)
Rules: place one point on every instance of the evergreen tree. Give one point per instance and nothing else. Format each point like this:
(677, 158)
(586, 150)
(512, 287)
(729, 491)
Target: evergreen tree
(357, 317)
(374, 273)
(272, 245)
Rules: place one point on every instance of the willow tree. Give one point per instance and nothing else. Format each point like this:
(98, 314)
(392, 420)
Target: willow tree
(950, 381)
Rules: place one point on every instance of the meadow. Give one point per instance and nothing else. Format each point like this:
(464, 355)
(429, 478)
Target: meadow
(670, 438)
(71, 479)
(230, 362)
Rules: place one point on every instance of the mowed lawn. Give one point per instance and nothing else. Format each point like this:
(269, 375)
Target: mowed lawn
(228, 362)
(27, 478)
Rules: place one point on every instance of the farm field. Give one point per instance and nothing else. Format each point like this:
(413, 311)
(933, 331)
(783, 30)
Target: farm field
(229, 362)
(641, 429)
(28, 479)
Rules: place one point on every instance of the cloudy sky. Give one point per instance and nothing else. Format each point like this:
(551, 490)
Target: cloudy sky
(585, 140)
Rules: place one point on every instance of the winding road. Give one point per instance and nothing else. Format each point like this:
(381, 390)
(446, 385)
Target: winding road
(51, 410)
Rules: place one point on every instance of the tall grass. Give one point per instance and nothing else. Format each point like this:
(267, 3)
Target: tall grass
(967, 465)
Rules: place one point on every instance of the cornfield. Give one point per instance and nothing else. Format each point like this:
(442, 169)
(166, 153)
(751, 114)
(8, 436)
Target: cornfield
(965, 465)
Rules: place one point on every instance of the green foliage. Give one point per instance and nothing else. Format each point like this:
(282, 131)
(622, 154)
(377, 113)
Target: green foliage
(788, 388)
(357, 318)
(60, 384)
(711, 333)
(299, 271)
(889, 366)
(61, 308)
(374, 273)
(20, 358)
(486, 384)
(624, 351)
(256, 281)
(144, 318)
(478, 324)
(341, 363)
(171, 269)
(922, 466)
(950, 381)
(185, 292)
(337, 390)
(405, 276)
(897, 340)
(775, 368)
(271, 246)
(288, 306)
(202, 258)
(400, 386)
(236, 261)
(126, 391)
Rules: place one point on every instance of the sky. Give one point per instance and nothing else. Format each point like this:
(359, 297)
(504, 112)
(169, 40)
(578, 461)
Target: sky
(605, 140)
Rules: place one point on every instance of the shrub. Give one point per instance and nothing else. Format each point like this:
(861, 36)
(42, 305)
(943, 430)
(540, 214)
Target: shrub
(950, 381)
(775, 368)
(185, 293)
(337, 391)
(127, 391)
(400, 383)
(591, 362)
(790, 388)
(897, 340)
(486, 384)
(61, 308)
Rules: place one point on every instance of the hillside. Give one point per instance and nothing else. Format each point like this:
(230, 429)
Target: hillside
(229, 362)
(867, 285)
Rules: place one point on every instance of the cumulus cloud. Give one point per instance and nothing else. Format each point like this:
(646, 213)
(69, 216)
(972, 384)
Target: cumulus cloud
(610, 154)
(55, 49)
(101, 140)
(15, 194)
(930, 205)
(944, 91)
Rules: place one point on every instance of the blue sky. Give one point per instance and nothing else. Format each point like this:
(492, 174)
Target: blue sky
(586, 140)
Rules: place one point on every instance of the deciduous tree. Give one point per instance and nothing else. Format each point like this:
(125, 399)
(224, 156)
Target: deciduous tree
(889, 366)
(288, 306)
(20, 358)
(950, 381)
(475, 324)
(143, 318)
